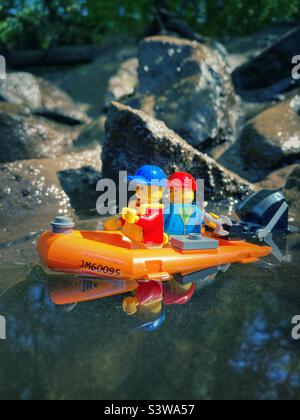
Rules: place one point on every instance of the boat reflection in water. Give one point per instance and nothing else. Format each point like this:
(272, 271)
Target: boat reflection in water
(145, 302)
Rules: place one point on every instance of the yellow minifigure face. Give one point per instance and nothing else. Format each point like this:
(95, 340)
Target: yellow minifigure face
(149, 194)
(181, 195)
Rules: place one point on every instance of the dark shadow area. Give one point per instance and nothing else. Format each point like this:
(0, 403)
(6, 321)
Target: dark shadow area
(80, 186)
(269, 74)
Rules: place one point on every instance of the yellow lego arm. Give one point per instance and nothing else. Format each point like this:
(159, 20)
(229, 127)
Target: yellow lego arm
(112, 224)
(130, 215)
(211, 220)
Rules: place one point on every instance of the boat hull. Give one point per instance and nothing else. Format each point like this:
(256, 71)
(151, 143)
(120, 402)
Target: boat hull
(109, 255)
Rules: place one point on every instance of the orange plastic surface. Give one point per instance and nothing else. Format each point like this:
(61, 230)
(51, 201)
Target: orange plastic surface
(80, 290)
(109, 255)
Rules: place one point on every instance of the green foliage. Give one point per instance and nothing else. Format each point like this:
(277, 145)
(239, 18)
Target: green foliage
(244, 16)
(43, 23)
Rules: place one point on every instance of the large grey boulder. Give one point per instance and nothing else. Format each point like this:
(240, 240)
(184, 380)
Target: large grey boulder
(292, 191)
(188, 86)
(272, 138)
(270, 73)
(30, 137)
(92, 134)
(90, 83)
(134, 138)
(124, 82)
(42, 97)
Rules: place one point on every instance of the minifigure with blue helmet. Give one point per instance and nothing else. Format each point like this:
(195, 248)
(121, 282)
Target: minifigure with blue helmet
(144, 224)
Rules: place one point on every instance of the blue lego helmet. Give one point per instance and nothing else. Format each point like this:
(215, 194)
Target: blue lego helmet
(150, 175)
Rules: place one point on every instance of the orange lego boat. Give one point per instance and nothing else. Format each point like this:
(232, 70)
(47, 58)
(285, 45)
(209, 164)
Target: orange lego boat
(111, 255)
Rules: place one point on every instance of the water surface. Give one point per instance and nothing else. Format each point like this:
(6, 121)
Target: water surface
(231, 341)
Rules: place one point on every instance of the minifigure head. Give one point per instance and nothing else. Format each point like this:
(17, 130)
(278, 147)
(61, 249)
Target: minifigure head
(183, 187)
(150, 182)
(149, 194)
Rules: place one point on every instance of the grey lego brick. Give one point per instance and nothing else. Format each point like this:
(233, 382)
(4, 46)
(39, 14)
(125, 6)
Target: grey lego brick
(194, 243)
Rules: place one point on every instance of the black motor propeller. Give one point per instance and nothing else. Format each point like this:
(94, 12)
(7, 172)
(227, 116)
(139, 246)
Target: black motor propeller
(261, 214)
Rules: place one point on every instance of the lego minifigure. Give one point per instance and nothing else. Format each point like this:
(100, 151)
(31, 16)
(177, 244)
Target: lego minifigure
(144, 224)
(148, 298)
(184, 217)
(151, 295)
(175, 293)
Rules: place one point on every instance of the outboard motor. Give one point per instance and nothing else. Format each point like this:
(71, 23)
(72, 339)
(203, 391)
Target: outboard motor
(261, 214)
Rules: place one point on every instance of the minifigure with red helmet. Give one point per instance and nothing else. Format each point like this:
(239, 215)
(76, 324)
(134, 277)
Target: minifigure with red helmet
(183, 217)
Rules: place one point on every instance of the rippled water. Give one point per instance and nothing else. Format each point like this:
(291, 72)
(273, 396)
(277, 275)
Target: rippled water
(231, 341)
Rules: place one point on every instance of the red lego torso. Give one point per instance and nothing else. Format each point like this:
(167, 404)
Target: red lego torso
(152, 223)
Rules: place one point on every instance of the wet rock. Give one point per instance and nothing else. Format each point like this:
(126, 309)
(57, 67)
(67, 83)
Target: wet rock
(89, 83)
(30, 197)
(292, 189)
(273, 137)
(21, 89)
(165, 61)
(186, 85)
(32, 192)
(59, 106)
(42, 97)
(133, 138)
(80, 184)
(14, 109)
(243, 49)
(277, 180)
(270, 73)
(92, 134)
(233, 160)
(295, 104)
(29, 137)
(124, 82)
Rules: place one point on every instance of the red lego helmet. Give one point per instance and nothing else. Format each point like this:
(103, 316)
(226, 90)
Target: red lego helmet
(174, 298)
(183, 180)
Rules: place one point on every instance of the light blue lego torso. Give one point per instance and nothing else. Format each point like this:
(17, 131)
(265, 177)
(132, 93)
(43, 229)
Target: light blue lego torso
(174, 224)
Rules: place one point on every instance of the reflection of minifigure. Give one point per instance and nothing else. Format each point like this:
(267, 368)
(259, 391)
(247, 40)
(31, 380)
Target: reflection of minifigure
(184, 217)
(150, 296)
(175, 293)
(151, 322)
(145, 223)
